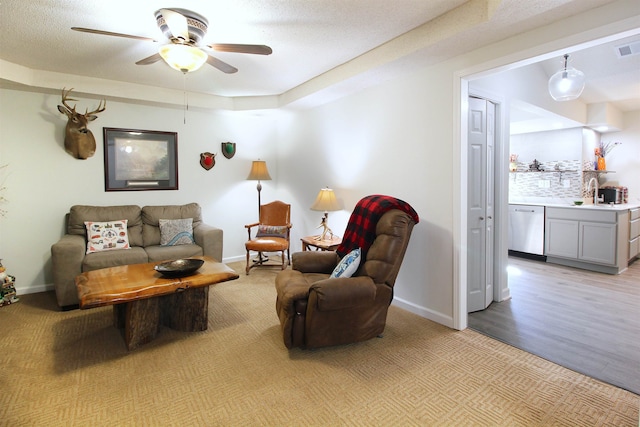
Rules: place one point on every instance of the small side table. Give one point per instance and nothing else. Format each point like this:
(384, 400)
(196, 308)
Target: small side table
(320, 245)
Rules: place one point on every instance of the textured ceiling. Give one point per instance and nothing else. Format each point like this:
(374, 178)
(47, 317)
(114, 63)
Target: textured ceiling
(317, 44)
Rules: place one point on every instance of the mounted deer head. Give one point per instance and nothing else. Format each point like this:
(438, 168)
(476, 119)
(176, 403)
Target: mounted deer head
(78, 140)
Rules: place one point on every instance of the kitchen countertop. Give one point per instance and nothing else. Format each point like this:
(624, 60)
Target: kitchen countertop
(559, 203)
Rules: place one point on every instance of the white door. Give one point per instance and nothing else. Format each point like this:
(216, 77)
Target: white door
(480, 204)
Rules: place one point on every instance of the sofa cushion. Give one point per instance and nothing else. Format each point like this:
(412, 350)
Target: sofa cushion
(106, 236)
(175, 232)
(78, 214)
(95, 261)
(166, 253)
(151, 216)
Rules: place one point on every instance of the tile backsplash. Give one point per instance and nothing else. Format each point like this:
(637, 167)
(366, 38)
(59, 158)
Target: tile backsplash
(558, 178)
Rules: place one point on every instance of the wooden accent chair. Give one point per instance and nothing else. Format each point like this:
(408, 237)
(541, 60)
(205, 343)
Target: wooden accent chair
(272, 235)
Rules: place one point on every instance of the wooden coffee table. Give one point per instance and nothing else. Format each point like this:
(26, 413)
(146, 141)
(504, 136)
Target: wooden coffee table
(143, 300)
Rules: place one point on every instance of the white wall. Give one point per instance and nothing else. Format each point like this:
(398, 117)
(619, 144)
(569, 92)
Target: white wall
(392, 139)
(625, 158)
(43, 181)
(565, 144)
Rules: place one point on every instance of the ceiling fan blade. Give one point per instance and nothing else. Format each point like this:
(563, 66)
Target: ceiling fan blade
(258, 49)
(150, 59)
(221, 65)
(109, 33)
(177, 23)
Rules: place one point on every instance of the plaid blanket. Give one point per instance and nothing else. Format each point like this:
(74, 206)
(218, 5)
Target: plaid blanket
(361, 228)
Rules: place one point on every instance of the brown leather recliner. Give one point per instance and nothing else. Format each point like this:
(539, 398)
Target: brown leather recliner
(317, 311)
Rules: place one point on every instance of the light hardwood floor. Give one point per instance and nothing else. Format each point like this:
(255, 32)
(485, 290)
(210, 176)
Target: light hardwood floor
(588, 322)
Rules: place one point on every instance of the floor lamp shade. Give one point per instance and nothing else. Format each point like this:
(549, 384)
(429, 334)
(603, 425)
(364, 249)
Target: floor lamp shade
(259, 172)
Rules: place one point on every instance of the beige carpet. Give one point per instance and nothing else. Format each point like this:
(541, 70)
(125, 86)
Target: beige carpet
(72, 369)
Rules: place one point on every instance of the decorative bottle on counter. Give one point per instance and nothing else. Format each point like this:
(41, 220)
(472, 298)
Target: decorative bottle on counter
(602, 164)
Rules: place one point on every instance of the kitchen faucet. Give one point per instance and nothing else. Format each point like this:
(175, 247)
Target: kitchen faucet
(595, 192)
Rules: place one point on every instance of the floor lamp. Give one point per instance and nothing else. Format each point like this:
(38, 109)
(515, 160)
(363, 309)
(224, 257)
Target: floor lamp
(259, 173)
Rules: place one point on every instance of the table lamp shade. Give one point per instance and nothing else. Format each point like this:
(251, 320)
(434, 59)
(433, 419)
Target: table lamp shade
(326, 201)
(259, 171)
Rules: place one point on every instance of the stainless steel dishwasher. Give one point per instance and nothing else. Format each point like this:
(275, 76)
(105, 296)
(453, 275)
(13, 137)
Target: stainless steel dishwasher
(526, 229)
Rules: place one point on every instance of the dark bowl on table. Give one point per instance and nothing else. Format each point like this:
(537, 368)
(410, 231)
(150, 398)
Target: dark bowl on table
(179, 267)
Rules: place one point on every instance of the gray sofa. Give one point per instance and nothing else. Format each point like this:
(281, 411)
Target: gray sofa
(69, 257)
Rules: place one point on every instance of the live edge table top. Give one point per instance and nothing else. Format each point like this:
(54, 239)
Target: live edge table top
(128, 283)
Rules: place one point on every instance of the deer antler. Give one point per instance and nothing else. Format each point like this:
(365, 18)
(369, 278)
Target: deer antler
(100, 108)
(65, 99)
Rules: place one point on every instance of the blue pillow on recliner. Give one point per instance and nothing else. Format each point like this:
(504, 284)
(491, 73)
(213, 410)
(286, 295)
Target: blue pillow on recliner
(348, 265)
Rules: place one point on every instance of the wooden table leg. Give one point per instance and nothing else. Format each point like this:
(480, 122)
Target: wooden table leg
(142, 322)
(119, 315)
(187, 311)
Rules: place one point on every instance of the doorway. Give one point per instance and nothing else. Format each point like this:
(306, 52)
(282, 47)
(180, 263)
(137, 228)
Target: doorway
(463, 78)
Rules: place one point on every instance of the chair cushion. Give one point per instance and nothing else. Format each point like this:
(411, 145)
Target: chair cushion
(106, 236)
(267, 244)
(348, 265)
(176, 232)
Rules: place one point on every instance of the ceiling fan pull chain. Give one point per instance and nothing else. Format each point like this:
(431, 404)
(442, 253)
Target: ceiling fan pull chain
(184, 98)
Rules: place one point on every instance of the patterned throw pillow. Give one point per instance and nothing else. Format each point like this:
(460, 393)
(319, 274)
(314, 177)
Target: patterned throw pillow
(348, 265)
(272, 231)
(175, 232)
(106, 236)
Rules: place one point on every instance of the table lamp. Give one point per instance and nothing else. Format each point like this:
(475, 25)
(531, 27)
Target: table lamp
(326, 201)
(259, 173)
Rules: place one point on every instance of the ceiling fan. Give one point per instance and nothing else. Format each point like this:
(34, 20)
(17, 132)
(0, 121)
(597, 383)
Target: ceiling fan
(185, 30)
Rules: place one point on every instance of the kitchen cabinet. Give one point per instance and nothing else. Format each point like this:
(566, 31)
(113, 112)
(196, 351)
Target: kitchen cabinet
(584, 238)
(634, 233)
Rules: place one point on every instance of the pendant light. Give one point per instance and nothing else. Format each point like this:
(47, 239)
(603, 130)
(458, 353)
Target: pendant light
(567, 84)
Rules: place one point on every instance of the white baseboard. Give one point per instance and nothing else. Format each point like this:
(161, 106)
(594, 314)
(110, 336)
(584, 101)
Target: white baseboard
(34, 289)
(424, 312)
(234, 259)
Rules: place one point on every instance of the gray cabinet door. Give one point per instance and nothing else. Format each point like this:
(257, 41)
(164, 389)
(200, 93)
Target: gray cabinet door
(561, 238)
(597, 242)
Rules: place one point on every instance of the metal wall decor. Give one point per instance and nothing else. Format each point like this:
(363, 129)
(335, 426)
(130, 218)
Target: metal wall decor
(207, 160)
(228, 149)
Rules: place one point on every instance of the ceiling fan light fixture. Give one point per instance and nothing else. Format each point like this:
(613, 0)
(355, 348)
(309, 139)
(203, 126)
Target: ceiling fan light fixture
(183, 57)
(567, 84)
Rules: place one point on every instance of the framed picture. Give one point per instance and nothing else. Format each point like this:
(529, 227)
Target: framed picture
(140, 160)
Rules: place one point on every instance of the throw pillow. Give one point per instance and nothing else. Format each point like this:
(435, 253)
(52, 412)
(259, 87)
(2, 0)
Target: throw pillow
(106, 236)
(272, 231)
(347, 265)
(175, 232)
